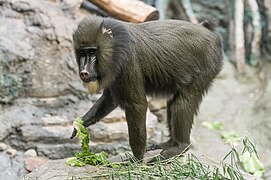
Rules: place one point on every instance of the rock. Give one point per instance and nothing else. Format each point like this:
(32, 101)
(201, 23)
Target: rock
(6, 168)
(18, 115)
(31, 152)
(59, 170)
(3, 146)
(49, 120)
(32, 163)
(115, 116)
(46, 134)
(114, 127)
(161, 115)
(12, 152)
(38, 27)
(71, 4)
(113, 148)
(22, 6)
(58, 151)
(95, 97)
(157, 104)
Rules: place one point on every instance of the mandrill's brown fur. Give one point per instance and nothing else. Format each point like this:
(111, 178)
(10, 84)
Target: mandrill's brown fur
(173, 59)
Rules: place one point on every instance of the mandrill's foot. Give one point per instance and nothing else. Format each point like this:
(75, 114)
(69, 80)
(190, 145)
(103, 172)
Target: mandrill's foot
(170, 152)
(163, 146)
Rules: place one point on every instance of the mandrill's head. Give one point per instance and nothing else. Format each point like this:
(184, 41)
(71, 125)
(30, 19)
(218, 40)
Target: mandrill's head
(101, 49)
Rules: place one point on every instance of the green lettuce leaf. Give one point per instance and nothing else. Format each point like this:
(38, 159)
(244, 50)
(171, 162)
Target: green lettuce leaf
(86, 156)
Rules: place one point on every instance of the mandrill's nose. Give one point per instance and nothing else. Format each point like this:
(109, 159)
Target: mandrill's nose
(84, 75)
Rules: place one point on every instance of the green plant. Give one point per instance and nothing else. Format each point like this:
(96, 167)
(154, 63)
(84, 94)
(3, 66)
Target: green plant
(86, 156)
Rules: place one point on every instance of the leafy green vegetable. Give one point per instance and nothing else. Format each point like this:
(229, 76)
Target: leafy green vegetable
(249, 159)
(251, 163)
(73, 161)
(213, 125)
(86, 156)
(231, 137)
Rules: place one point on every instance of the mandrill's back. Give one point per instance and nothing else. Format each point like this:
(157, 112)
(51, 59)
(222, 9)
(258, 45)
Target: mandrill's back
(179, 51)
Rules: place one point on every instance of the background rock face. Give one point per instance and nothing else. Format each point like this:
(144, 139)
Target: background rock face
(36, 53)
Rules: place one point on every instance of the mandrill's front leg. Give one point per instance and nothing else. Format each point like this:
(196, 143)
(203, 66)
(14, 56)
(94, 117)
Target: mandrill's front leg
(136, 120)
(104, 105)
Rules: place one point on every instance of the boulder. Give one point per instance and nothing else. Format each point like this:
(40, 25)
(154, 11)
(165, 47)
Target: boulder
(31, 153)
(32, 163)
(58, 169)
(3, 146)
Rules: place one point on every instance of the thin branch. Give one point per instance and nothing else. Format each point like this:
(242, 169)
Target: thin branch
(239, 36)
(257, 29)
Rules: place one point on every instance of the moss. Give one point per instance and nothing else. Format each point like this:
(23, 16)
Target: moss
(10, 86)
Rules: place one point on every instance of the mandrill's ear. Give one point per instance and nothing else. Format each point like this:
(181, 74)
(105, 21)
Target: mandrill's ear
(107, 32)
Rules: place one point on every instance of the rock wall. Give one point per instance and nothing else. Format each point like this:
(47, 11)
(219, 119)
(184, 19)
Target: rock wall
(36, 54)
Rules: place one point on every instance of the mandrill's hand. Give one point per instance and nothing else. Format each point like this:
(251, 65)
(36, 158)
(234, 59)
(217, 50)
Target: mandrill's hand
(74, 132)
(80, 124)
(78, 127)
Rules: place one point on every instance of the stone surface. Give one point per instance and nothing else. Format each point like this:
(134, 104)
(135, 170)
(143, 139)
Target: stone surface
(114, 127)
(5, 167)
(11, 152)
(58, 169)
(46, 134)
(49, 120)
(29, 30)
(161, 115)
(157, 104)
(72, 4)
(58, 151)
(32, 163)
(31, 152)
(3, 146)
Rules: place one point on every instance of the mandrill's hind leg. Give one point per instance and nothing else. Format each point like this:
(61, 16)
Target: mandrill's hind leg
(181, 111)
(183, 108)
(168, 143)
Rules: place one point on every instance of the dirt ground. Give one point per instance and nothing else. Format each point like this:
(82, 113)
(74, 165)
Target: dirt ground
(226, 102)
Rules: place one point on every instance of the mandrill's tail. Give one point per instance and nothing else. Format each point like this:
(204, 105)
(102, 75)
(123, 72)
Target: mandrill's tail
(209, 25)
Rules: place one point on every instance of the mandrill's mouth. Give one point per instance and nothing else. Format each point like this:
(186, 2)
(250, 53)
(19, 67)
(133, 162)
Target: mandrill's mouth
(89, 79)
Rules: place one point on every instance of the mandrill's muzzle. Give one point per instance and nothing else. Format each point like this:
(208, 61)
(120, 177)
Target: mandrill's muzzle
(87, 77)
(87, 68)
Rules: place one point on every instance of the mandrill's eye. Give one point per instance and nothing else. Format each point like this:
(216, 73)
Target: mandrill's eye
(87, 50)
(92, 50)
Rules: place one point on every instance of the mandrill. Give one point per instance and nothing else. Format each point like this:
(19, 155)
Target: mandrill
(172, 59)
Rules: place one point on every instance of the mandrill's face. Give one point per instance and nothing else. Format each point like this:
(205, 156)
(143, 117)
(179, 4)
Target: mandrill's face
(93, 50)
(86, 60)
(101, 48)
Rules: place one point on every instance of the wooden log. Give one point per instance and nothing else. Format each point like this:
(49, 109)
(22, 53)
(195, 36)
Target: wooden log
(93, 9)
(128, 10)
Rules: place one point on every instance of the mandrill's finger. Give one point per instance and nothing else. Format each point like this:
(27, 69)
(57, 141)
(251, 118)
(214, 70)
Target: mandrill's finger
(73, 133)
